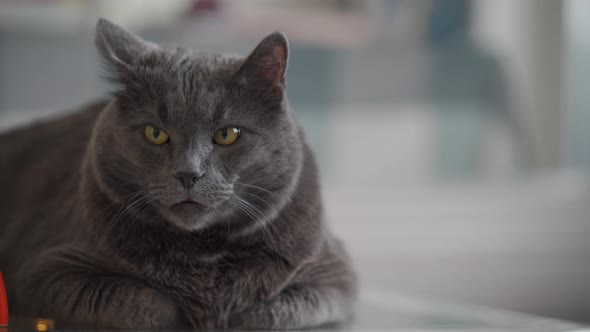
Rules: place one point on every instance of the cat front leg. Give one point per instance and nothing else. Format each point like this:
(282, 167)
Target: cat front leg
(79, 290)
(321, 292)
(297, 307)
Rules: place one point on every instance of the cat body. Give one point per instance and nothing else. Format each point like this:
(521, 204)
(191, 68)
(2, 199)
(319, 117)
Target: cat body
(102, 227)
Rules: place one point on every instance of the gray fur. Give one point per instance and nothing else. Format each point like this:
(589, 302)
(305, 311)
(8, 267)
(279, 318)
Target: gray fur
(87, 232)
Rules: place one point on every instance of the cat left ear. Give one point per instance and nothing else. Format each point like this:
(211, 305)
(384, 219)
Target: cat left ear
(118, 46)
(268, 61)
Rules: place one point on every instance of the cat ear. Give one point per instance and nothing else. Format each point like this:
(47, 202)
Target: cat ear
(118, 46)
(268, 61)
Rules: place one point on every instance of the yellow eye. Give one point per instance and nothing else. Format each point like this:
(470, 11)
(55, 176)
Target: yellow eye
(155, 135)
(226, 136)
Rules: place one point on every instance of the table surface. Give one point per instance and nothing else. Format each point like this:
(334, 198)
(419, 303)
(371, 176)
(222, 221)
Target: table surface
(388, 311)
(379, 310)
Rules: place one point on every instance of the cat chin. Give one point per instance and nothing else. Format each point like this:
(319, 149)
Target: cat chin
(188, 216)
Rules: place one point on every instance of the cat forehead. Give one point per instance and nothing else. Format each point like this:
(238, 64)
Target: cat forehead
(181, 61)
(205, 103)
(179, 80)
(185, 89)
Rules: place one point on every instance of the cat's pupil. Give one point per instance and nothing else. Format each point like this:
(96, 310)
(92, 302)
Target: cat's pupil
(224, 133)
(156, 132)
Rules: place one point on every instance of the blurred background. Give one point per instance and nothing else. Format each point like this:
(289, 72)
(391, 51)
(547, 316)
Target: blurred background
(453, 135)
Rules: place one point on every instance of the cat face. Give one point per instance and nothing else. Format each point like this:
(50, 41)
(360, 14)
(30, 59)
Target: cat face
(196, 139)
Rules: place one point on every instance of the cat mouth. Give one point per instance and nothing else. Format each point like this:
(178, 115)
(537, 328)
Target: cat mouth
(188, 204)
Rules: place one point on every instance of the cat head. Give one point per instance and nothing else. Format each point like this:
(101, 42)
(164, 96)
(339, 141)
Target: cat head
(196, 139)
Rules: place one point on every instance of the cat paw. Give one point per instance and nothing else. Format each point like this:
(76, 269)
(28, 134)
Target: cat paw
(152, 310)
(256, 319)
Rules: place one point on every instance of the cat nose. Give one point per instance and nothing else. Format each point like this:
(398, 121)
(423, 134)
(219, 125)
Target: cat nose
(188, 179)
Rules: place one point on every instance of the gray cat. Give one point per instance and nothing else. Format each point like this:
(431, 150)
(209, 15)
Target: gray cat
(189, 200)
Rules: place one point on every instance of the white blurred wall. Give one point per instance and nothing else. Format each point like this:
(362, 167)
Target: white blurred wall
(527, 36)
(577, 72)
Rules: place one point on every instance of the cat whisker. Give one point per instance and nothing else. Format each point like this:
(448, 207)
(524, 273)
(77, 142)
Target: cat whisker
(258, 219)
(114, 208)
(135, 201)
(253, 186)
(247, 208)
(266, 229)
(141, 207)
(260, 199)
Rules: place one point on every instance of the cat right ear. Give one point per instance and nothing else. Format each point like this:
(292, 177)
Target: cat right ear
(268, 61)
(119, 47)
